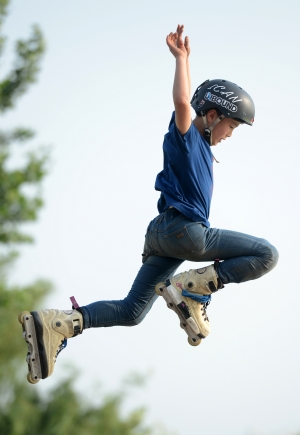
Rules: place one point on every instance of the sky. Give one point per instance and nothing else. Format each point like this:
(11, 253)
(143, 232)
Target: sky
(102, 104)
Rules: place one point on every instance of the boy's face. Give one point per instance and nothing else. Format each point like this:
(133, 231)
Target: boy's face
(223, 130)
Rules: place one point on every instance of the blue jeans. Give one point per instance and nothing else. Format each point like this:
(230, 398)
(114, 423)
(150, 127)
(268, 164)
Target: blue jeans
(172, 238)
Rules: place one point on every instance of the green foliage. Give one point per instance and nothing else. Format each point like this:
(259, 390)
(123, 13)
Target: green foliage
(18, 134)
(3, 7)
(16, 205)
(24, 72)
(65, 413)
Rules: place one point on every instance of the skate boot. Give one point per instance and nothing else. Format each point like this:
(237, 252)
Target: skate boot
(189, 294)
(46, 333)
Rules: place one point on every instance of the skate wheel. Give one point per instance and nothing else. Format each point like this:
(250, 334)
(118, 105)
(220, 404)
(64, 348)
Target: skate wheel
(31, 380)
(194, 343)
(21, 316)
(158, 288)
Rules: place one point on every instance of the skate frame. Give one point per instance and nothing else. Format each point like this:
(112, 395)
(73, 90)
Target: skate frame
(175, 303)
(32, 358)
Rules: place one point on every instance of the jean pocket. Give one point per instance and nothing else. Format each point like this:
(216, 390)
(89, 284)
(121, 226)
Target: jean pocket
(179, 242)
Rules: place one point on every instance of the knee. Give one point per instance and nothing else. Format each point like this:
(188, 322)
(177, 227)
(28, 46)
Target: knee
(270, 256)
(137, 319)
(136, 312)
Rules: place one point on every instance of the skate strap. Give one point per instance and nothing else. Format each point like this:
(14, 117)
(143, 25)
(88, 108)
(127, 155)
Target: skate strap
(74, 303)
(203, 299)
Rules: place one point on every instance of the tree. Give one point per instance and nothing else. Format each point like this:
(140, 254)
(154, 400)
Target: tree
(65, 413)
(22, 409)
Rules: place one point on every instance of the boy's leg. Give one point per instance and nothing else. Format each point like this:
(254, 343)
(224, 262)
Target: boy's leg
(133, 309)
(46, 331)
(243, 257)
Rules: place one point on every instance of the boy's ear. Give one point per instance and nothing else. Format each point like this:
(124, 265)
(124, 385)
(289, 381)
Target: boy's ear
(211, 115)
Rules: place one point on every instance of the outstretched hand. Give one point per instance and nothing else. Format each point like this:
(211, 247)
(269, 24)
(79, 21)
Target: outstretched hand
(175, 42)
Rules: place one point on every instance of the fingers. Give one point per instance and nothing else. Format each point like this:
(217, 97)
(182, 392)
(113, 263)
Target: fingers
(187, 45)
(180, 29)
(176, 35)
(172, 39)
(176, 44)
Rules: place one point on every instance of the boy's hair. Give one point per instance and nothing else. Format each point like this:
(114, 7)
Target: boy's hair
(227, 98)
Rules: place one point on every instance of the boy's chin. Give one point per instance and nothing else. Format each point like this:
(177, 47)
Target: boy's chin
(215, 142)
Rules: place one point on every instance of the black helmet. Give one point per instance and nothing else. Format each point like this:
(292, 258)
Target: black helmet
(227, 97)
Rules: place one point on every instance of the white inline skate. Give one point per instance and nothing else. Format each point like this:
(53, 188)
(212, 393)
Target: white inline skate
(188, 295)
(46, 333)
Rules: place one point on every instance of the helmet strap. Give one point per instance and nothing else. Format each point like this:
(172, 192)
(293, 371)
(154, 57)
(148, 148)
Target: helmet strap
(208, 130)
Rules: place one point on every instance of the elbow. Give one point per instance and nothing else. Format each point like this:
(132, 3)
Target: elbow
(182, 103)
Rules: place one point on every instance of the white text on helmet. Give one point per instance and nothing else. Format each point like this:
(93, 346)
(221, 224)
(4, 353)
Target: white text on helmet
(220, 101)
(217, 88)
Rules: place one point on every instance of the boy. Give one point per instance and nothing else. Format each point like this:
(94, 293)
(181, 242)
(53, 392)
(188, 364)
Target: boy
(180, 232)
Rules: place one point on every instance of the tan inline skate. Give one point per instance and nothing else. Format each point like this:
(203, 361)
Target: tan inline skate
(188, 295)
(46, 333)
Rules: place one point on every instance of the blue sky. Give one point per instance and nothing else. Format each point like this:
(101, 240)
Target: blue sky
(103, 102)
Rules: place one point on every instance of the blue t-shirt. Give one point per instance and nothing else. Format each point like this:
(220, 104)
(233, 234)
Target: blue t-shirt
(186, 182)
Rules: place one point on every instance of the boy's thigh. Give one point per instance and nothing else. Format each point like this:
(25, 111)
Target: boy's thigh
(225, 244)
(194, 242)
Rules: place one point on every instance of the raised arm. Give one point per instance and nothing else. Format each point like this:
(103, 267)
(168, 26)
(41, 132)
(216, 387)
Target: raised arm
(188, 50)
(181, 88)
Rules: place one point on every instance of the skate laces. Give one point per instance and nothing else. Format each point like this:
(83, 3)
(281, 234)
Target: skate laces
(205, 305)
(203, 299)
(196, 297)
(61, 347)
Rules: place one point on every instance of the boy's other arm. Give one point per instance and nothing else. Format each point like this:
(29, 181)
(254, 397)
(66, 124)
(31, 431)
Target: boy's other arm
(181, 87)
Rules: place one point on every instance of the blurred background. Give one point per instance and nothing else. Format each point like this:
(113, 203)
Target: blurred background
(101, 105)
